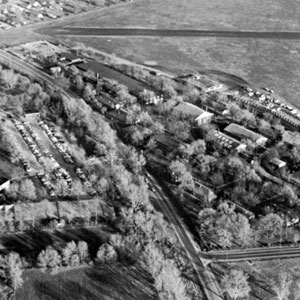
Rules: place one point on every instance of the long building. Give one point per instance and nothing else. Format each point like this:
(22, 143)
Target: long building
(241, 133)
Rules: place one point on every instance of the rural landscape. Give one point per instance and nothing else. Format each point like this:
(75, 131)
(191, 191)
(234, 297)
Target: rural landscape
(150, 149)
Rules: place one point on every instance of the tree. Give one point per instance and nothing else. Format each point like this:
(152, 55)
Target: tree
(79, 84)
(187, 182)
(15, 269)
(87, 92)
(83, 251)
(106, 253)
(67, 253)
(282, 285)
(248, 118)
(177, 170)
(10, 78)
(224, 237)
(270, 226)
(235, 111)
(244, 231)
(27, 189)
(235, 284)
(48, 258)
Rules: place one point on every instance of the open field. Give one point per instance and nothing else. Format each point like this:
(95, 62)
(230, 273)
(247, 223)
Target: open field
(201, 14)
(273, 63)
(104, 282)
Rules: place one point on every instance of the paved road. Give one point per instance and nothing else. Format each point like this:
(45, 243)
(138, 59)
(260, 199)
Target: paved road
(252, 254)
(205, 276)
(96, 31)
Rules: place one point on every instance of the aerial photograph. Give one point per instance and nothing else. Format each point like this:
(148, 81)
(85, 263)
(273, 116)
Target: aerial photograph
(149, 150)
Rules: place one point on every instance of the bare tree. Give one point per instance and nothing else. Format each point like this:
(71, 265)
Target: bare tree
(282, 285)
(235, 284)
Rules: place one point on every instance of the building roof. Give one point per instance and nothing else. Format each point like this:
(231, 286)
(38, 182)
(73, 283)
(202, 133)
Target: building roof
(189, 109)
(277, 162)
(205, 114)
(227, 141)
(242, 132)
(134, 86)
(199, 80)
(68, 56)
(205, 191)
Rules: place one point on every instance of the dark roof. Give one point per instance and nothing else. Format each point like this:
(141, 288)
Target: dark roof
(134, 86)
(166, 142)
(68, 56)
(118, 115)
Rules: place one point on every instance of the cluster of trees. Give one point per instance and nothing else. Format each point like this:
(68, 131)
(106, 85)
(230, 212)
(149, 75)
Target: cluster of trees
(19, 93)
(235, 284)
(168, 280)
(24, 189)
(224, 227)
(9, 143)
(180, 173)
(11, 269)
(72, 255)
(166, 86)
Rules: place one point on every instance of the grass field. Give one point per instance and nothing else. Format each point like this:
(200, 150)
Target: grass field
(201, 14)
(272, 63)
(106, 282)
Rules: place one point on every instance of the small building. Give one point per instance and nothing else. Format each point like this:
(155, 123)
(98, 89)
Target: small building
(5, 185)
(277, 163)
(166, 143)
(200, 116)
(202, 82)
(241, 132)
(68, 58)
(205, 192)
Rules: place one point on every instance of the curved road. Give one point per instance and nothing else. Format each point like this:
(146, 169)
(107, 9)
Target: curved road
(97, 31)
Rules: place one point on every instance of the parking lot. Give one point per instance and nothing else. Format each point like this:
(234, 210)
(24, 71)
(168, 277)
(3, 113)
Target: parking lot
(54, 164)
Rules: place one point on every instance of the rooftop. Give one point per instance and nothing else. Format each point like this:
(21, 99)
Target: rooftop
(133, 85)
(189, 109)
(242, 132)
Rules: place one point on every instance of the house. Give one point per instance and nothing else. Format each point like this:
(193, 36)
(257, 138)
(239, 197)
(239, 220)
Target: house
(68, 58)
(166, 143)
(277, 163)
(200, 116)
(204, 191)
(241, 132)
(204, 83)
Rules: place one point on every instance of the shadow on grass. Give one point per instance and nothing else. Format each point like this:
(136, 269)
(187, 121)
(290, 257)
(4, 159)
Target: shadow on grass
(103, 282)
(30, 244)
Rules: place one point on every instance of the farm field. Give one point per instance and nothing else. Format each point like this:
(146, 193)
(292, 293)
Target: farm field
(104, 282)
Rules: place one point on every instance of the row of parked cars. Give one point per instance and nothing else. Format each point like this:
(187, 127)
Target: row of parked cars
(61, 173)
(273, 103)
(46, 183)
(30, 138)
(85, 181)
(57, 140)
